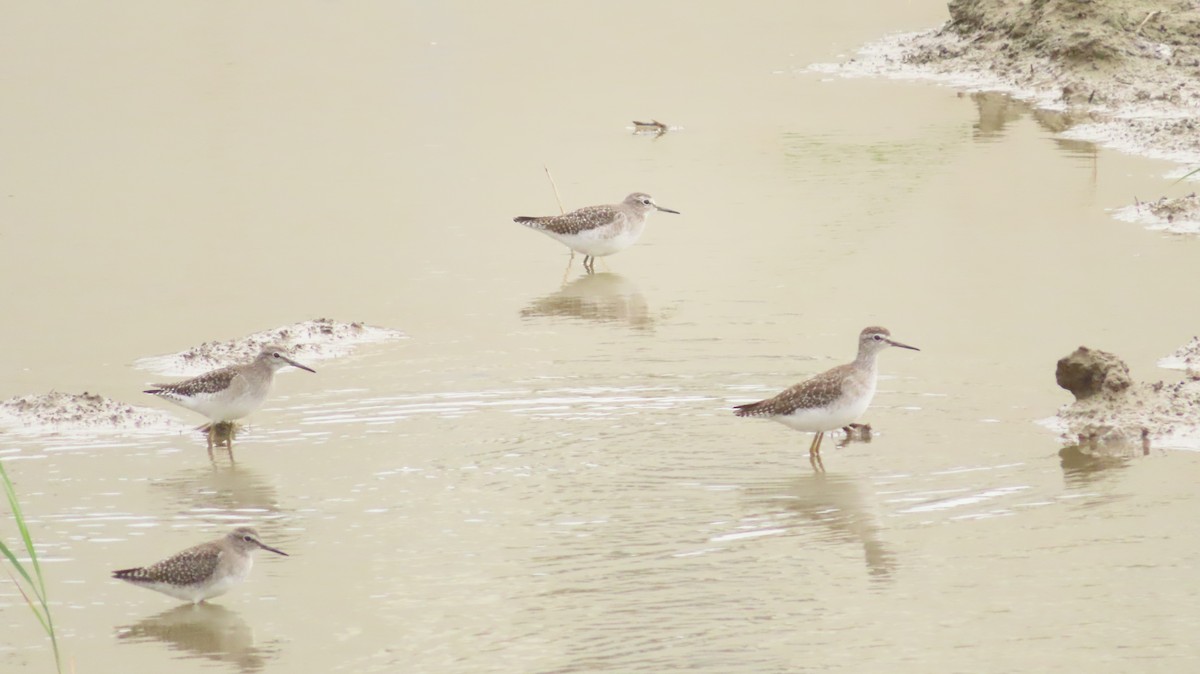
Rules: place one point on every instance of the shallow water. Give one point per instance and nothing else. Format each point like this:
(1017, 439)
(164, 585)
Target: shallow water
(546, 477)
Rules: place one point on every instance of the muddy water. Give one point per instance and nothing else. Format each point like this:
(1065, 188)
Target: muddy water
(546, 477)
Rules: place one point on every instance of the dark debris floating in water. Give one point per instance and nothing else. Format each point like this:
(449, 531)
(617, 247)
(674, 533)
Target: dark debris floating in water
(652, 128)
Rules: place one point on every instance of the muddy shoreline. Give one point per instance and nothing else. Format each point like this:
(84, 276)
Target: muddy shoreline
(1124, 74)
(88, 414)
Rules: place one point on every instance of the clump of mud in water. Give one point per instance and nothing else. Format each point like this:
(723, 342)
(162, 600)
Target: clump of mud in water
(307, 341)
(1113, 413)
(54, 412)
(1180, 215)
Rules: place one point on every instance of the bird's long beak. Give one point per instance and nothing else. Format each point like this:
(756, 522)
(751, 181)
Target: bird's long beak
(302, 367)
(902, 346)
(665, 210)
(277, 551)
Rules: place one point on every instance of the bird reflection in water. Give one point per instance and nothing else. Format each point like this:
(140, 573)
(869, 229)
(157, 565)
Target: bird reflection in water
(208, 631)
(224, 492)
(603, 298)
(834, 505)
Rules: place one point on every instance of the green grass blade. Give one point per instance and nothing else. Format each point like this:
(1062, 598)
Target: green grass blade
(1185, 176)
(16, 564)
(29, 601)
(38, 588)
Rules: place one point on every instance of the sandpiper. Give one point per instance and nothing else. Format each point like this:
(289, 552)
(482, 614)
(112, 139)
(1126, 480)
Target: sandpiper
(229, 393)
(203, 571)
(832, 399)
(597, 231)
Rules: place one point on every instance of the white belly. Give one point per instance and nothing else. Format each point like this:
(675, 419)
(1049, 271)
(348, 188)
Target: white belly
(816, 420)
(600, 242)
(229, 404)
(199, 592)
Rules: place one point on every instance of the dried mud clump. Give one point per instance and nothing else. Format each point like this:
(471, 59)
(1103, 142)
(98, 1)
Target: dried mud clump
(1113, 413)
(1088, 372)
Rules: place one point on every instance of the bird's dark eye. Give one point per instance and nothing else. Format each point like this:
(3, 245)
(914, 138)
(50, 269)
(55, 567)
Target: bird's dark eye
(877, 337)
(276, 355)
(646, 201)
(248, 539)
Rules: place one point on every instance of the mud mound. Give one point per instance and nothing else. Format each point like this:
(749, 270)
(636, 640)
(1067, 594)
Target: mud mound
(69, 413)
(308, 341)
(1113, 411)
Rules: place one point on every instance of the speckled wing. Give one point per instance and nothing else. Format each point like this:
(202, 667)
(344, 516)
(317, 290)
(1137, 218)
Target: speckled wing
(820, 391)
(572, 223)
(207, 383)
(190, 567)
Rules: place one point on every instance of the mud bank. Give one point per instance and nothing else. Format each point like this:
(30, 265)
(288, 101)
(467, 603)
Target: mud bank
(1186, 357)
(84, 413)
(315, 340)
(54, 413)
(1125, 73)
(1112, 413)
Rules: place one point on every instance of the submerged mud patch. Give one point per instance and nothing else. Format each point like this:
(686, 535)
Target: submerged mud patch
(315, 340)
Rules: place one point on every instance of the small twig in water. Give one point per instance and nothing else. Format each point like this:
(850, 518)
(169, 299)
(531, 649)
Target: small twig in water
(556, 197)
(1149, 16)
(561, 210)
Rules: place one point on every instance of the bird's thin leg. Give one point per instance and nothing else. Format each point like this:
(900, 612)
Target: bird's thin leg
(815, 461)
(812, 445)
(589, 264)
(817, 444)
(567, 271)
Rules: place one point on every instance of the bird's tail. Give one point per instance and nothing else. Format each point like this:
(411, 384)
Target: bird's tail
(128, 574)
(748, 410)
(531, 222)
